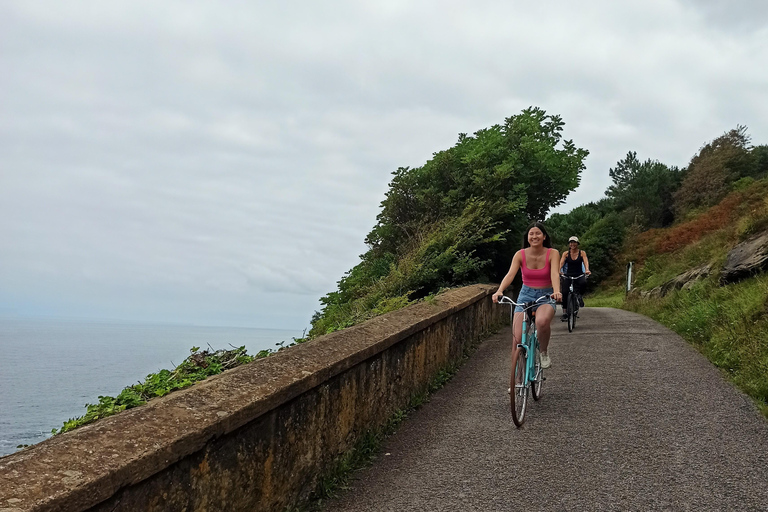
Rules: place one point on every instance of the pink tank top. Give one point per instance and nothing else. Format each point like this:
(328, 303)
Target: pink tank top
(537, 278)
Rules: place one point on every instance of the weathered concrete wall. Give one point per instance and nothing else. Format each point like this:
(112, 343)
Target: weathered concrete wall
(257, 437)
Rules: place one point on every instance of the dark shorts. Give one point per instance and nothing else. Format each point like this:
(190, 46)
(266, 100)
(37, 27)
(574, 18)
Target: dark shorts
(530, 294)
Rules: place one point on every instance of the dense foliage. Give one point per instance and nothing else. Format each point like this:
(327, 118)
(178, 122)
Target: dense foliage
(643, 191)
(577, 222)
(645, 196)
(458, 218)
(198, 366)
(602, 242)
(714, 168)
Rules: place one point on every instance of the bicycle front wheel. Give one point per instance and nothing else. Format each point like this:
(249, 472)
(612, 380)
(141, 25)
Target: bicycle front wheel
(518, 386)
(572, 306)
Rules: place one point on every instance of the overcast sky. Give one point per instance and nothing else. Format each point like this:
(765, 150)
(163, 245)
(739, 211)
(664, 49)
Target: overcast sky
(220, 163)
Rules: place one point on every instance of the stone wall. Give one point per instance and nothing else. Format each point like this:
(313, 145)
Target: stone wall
(257, 437)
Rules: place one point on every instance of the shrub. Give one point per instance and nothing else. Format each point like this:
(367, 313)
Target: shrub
(711, 172)
(602, 243)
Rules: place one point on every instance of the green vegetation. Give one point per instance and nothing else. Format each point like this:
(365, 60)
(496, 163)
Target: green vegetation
(609, 298)
(712, 172)
(457, 219)
(198, 366)
(642, 192)
(646, 197)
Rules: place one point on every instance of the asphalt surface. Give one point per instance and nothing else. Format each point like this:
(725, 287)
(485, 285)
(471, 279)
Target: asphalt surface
(631, 418)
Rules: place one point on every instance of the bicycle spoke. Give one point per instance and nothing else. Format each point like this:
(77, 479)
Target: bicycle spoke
(519, 398)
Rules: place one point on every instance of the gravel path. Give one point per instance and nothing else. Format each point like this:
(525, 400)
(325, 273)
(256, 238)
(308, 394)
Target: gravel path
(632, 418)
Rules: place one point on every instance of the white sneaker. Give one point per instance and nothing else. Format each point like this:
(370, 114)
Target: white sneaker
(546, 362)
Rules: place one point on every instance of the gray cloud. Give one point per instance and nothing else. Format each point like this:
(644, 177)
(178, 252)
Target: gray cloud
(221, 164)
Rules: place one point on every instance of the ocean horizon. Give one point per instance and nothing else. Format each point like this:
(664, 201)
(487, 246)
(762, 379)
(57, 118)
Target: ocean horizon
(53, 367)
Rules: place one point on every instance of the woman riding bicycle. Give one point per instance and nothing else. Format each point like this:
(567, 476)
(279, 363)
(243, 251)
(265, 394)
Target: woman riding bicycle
(573, 260)
(537, 262)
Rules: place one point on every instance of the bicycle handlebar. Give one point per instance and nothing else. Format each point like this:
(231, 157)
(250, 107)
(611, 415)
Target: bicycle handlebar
(506, 300)
(574, 278)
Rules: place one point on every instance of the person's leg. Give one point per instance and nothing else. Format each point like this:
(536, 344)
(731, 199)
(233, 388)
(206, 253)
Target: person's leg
(581, 287)
(517, 329)
(544, 316)
(564, 289)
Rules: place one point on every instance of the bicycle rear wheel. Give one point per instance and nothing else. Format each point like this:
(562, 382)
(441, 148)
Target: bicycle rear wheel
(572, 307)
(518, 386)
(538, 378)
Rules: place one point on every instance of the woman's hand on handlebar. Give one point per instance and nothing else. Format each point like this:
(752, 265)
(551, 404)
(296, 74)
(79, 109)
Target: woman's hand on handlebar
(497, 296)
(557, 296)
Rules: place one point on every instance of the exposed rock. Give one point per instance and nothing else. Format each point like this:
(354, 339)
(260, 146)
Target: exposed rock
(746, 259)
(685, 281)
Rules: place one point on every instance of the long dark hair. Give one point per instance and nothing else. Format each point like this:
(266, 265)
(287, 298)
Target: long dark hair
(547, 241)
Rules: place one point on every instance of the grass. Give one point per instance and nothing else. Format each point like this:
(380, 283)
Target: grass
(613, 298)
(659, 268)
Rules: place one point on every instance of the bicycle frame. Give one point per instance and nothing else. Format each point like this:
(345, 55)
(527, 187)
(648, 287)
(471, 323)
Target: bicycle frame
(528, 343)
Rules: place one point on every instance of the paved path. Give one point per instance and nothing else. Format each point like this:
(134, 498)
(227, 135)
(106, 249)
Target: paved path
(632, 418)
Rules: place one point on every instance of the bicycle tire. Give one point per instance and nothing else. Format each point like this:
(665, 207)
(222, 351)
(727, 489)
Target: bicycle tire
(572, 305)
(518, 395)
(538, 379)
(575, 309)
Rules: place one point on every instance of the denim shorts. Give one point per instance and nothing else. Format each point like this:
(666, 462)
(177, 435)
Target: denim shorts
(530, 294)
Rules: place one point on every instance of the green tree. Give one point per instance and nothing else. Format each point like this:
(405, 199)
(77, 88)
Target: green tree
(643, 191)
(760, 155)
(458, 218)
(525, 159)
(602, 243)
(562, 226)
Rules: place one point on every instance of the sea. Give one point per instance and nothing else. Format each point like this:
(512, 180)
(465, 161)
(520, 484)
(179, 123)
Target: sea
(50, 369)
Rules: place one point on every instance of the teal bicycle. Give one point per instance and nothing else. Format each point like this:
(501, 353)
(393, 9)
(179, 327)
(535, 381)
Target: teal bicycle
(527, 373)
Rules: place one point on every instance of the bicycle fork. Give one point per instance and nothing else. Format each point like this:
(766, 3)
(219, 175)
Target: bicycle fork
(522, 345)
(527, 345)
